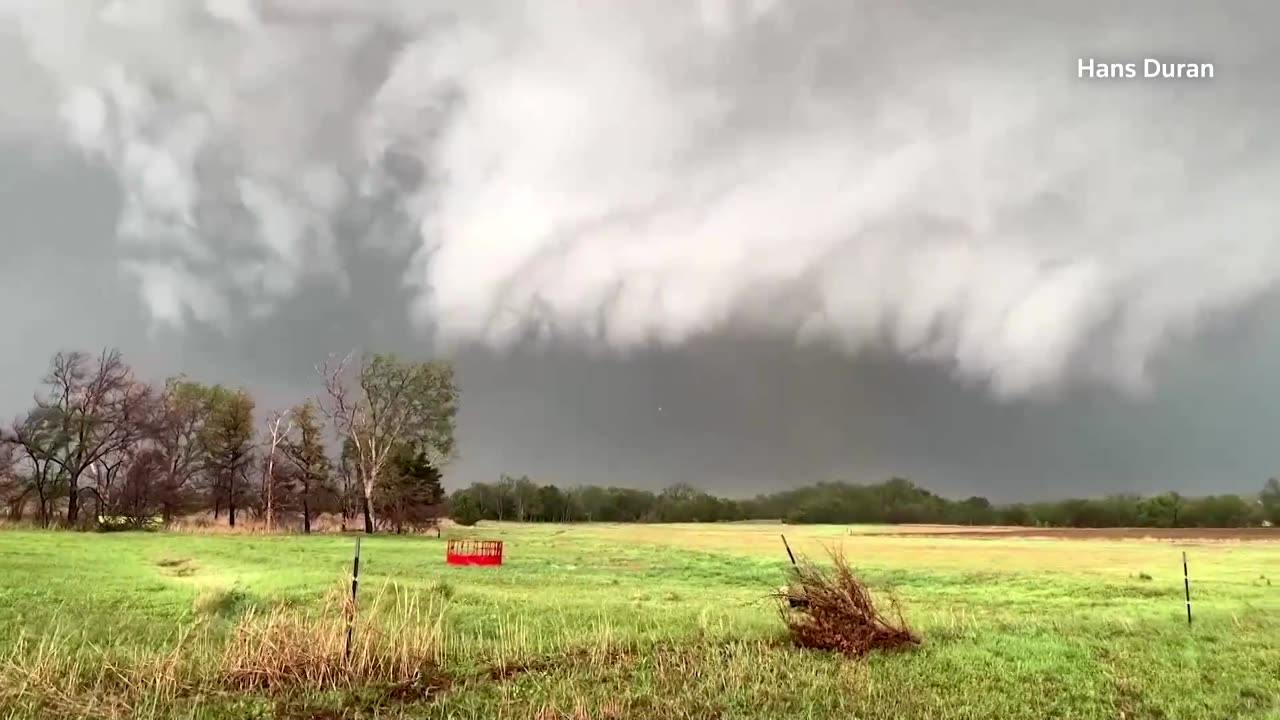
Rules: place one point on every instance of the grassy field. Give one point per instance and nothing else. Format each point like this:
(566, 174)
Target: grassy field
(600, 621)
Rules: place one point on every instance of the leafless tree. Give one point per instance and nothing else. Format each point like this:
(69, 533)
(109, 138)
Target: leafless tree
(39, 439)
(349, 489)
(107, 471)
(136, 496)
(275, 436)
(99, 406)
(350, 414)
(13, 486)
(8, 459)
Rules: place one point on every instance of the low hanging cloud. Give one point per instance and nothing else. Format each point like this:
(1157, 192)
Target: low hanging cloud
(936, 182)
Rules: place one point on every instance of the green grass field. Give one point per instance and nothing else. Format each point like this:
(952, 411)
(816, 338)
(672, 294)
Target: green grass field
(601, 621)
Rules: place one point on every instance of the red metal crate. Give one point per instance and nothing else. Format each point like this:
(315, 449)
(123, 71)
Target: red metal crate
(474, 552)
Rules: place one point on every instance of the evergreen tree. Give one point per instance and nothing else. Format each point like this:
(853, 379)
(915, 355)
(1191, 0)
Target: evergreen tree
(411, 495)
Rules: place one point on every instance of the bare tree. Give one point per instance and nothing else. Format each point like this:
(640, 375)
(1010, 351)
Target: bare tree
(100, 407)
(107, 470)
(349, 413)
(275, 435)
(349, 477)
(8, 459)
(13, 486)
(393, 402)
(137, 496)
(39, 440)
(140, 421)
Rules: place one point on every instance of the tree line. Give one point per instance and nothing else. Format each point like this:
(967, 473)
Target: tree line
(101, 446)
(893, 501)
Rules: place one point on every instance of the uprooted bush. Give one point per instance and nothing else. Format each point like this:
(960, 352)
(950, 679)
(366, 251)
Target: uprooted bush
(832, 609)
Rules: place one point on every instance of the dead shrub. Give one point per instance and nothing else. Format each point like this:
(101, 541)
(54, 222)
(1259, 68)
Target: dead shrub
(831, 609)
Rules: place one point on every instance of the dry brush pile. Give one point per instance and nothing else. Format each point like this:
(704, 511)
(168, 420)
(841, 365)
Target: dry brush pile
(833, 609)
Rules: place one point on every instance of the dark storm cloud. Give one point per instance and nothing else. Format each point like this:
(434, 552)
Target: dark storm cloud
(974, 247)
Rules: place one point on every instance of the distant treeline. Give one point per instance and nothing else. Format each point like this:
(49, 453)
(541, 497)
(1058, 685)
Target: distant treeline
(891, 502)
(103, 447)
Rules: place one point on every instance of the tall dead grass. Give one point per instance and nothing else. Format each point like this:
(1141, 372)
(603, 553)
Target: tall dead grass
(396, 645)
(57, 676)
(285, 524)
(396, 642)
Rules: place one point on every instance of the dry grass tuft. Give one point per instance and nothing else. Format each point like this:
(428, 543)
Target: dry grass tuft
(282, 651)
(102, 683)
(834, 610)
(247, 524)
(396, 643)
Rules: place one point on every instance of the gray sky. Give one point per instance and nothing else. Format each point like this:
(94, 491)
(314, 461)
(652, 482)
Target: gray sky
(749, 245)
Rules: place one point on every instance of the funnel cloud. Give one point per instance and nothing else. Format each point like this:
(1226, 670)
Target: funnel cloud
(914, 185)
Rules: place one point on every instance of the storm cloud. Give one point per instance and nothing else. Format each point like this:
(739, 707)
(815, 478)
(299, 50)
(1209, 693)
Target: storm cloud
(823, 237)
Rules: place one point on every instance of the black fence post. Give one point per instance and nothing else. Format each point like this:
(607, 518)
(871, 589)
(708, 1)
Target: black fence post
(351, 612)
(1186, 585)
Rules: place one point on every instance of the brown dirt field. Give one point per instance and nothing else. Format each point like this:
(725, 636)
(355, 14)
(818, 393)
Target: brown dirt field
(1258, 534)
